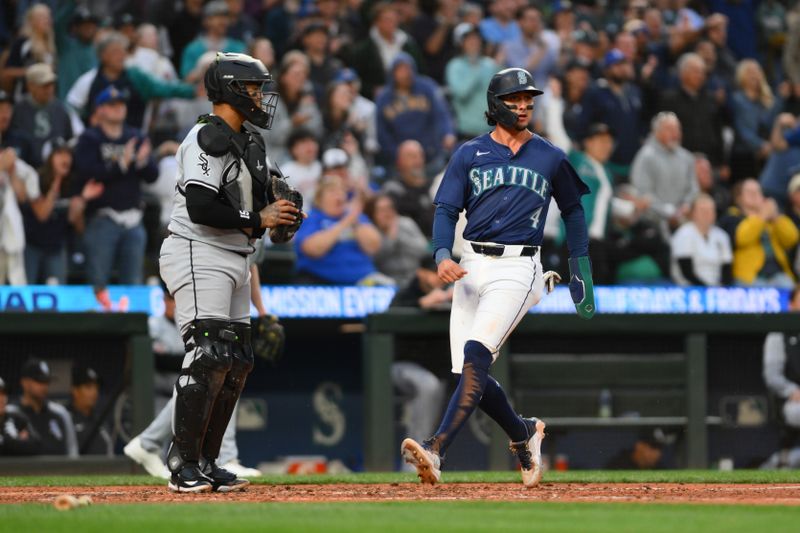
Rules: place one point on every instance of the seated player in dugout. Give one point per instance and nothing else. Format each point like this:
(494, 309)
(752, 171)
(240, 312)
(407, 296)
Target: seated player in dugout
(504, 180)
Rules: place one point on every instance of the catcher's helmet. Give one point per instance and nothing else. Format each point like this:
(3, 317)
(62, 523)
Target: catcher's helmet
(505, 82)
(226, 81)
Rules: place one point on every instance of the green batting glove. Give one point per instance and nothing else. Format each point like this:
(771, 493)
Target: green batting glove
(580, 286)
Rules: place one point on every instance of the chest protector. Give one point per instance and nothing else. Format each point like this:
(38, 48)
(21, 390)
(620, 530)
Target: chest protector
(216, 138)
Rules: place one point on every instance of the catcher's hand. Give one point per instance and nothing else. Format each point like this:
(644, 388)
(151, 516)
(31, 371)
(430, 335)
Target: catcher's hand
(268, 338)
(551, 279)
(282, 191)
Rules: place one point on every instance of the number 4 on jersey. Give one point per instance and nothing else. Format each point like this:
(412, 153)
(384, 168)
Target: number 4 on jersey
(535, 218)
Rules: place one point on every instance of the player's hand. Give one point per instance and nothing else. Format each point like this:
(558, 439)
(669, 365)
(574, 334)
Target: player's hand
(795, 396)
(280, 213)
(551, 279)
(449, 271)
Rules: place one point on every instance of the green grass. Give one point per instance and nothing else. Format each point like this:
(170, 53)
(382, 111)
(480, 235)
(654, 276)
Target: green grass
(407, 517)
(576, 476)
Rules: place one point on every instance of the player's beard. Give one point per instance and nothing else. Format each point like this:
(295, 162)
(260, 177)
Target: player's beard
(522, 126)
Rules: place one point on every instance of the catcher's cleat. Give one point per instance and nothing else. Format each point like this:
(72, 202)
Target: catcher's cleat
(427, 462)
(223, 480)
(190, 479)
(529, 452)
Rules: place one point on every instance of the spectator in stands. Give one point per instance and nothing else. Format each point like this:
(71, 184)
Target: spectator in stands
(663, 171)
(303, 168)
(119, 157)
(793, 190)
(337, 241)
(784, 157)
(215, 22)
(572, 92)
(17, 436)
(10, 137)
(782, 374)
(15, 179)
(147, 54)
(717, 32)
(372, 57)
(754, 108)
(410, 188)
(138, 85)
(362, 113)
(709, 183)
(50, 420)
(467, 77)
(184, 23)
(701, 252)
(501, 27)
(403, 245)
(323, 65)
(36, 44)
(586, 49)
(296, 105)
(697, 110)
(40, 116)
(76, 29)
(600, 203)
(791, 53)
(411, 106)
(241, 25)
(640, 251)
(337, 106)
(434, 34)
(716, 85)
(616, 101)
(92, 434)
(761, 237)
(338, 162)
(262, 49)
(535, 49)
(45, 214)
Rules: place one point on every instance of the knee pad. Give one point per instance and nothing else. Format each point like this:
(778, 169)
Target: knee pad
(477, 355)
(242, 352)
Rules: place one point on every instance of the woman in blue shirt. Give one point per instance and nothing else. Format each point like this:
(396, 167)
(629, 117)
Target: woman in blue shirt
(336, 242)
(754, 108)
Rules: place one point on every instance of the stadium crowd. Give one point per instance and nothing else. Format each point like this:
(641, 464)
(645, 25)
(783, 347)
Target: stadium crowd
(682, 117)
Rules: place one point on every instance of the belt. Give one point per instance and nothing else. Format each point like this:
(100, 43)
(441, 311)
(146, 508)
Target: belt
(498, 250)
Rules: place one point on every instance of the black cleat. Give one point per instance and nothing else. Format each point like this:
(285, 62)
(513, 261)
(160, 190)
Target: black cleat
(190, 479)
(223, 480)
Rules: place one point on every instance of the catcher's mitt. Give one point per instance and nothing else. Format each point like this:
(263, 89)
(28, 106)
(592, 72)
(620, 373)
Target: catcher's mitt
(268, 338)
(282, 191)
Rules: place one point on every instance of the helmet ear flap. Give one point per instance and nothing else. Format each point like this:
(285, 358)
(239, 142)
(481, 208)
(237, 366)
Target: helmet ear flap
(499, 113)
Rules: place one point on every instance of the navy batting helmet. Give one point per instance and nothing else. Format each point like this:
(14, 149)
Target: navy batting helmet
(505, 82)
(227, 79)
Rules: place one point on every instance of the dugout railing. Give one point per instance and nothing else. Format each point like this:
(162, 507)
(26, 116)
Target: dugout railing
(664, 350)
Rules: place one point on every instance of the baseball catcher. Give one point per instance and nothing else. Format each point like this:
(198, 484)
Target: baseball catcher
(226, 197)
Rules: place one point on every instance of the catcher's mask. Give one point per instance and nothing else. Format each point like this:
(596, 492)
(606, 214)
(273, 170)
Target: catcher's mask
(505, 82)
(245, 84)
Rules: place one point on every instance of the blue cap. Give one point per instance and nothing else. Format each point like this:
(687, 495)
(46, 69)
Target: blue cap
(110, 94)
(613, 57)
(346, 75)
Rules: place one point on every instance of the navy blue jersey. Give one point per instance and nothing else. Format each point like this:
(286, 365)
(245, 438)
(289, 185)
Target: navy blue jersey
(506, 195)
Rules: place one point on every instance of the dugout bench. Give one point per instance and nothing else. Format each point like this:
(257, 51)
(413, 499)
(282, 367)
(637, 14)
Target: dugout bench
(662, 386)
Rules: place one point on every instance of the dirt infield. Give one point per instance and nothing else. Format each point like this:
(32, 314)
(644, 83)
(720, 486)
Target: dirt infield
(776, 494)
